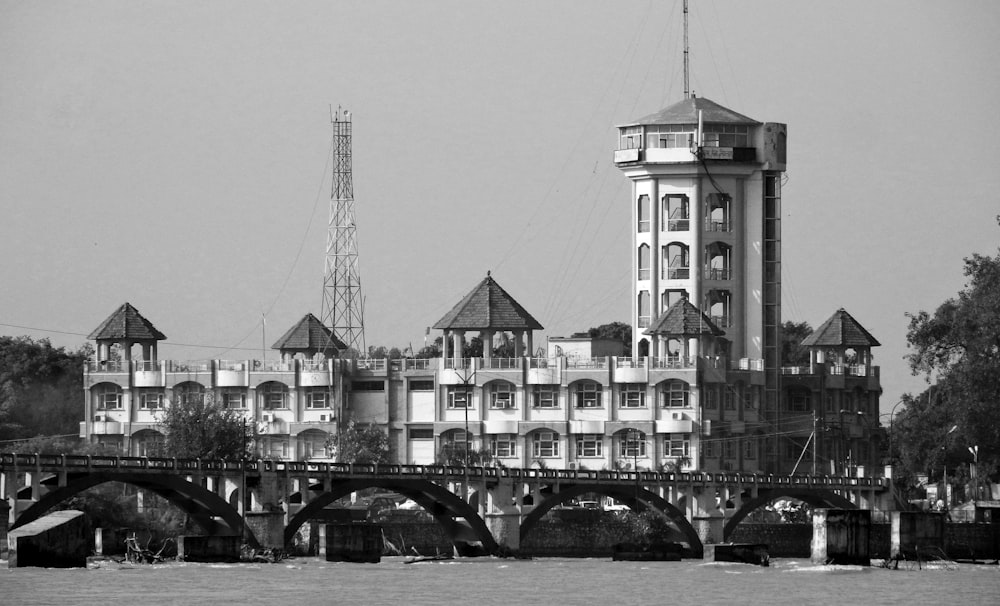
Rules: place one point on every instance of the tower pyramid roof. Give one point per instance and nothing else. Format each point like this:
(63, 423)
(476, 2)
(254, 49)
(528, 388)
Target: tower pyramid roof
(309, 334)
(126, 323)
(841, 330)
(683, 319)
(488, 307)
(686, 112)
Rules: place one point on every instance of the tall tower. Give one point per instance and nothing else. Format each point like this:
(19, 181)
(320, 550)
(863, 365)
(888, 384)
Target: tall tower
(706, 226)
(343, 305)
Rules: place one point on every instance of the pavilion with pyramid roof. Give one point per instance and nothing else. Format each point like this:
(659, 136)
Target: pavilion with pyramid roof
(841, 340)
(126, 327)
(309, 337)
(684, 330)
(489, 310)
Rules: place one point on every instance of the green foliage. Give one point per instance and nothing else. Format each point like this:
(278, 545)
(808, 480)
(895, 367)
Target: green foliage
(41, 388)
(60, 445)
(453, 453)
(959, 347)
(202, 428)
(616, 331)
(793, 353)
(360, 443)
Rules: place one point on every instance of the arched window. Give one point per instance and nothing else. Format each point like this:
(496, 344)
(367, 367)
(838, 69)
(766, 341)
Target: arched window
(675, 213)
(643, 261)
(631, 443)
(643, 308)
(676, 262)
(501, 394)
(544, 444)
(273, 395)
(189, 392)
(588, 394)
(313, 444)
(107, 396)
(643, 213)
(147, 443)
(674, 394)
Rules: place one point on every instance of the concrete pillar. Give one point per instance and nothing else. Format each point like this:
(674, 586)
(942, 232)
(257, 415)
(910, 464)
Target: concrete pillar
(841, 536)
(913, 532)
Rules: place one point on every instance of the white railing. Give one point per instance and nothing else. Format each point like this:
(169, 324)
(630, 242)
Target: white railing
(639, 362)
(748, 364)
(189, 366)
(586, 362)
(314, 365)
(542, 363)
(459, 364)
(237, 365)
(106, 366)
(503, 363)
(669, 362)
(372, 363)
(272, 366)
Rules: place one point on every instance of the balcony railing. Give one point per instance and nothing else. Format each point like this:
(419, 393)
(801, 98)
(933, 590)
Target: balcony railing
(644, 274)
(748, 364)
(459, 364)
(238, 365)
(313, 365)
(272, 366)
(372, 363)
(638, 362)
(586, 362)
(677, 273)
(672, 362)
(795, 370)
(678, 224)
(718, 273)
(542, 363)
(718, 226)
(503, 363)
(106, 366)
(189, 366)
(721, 321)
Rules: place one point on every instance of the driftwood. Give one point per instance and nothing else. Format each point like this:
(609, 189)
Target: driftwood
(261, 556)
(142, 554)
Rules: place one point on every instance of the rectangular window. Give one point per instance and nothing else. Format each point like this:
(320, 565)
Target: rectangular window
(633, 395)
(749, 449)
(708, 448)
(676, 395)
(151, 400)
(678, 445)
(831, 403)
(317, 399)
(504, 445)
(728, 401)
(421, 433)
(632, 445)
(730, 446)
(501, 395)
(711, 398)
(109, 400)
(590, 445)
(588, 395)
(545, 396)
(422, 385)
(368, 386)
(545, 444)
(234, 399)
(798, 401)
(459, 396)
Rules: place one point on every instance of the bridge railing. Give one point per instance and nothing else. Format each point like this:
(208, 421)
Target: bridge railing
(197, 466)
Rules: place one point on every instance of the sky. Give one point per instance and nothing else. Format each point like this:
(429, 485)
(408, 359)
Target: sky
(176, 155)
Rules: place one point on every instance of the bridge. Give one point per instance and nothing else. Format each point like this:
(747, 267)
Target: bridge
(493, 508)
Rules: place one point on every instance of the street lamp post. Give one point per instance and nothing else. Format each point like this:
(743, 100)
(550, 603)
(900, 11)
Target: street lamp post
(944, 450)
(975, 472)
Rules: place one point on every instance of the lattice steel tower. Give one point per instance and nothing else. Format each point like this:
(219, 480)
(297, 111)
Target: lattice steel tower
(343, 305)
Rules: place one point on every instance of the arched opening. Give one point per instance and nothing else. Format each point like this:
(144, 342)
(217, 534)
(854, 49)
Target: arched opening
(813, 498)
(642, 261)
(147, 443)
(676, 262)
(313, 445)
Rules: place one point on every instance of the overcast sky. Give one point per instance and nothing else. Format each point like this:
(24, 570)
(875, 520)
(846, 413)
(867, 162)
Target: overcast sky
(175, 155)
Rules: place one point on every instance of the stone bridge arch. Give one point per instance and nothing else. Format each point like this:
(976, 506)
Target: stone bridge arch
(638, 499)
(813, 497)
(210, 511)
(437, 500)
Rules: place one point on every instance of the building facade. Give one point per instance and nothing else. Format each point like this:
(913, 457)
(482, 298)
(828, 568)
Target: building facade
(703, 389)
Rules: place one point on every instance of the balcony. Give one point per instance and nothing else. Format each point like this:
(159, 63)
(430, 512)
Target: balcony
(673, 362)
(586, 363)
(718, 273)
(503, 363)
(677, 273)
(718, 226)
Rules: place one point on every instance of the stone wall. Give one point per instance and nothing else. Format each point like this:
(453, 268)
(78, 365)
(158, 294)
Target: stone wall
(61, 539)
(783, 540)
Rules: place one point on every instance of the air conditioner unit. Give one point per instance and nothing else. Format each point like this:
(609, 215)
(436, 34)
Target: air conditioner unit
(706, 428)
(324, 418)
(572, 465)
(267, 417)
(100, 418)
(678, 416)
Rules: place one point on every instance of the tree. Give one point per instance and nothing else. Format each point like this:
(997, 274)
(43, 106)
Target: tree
(358, 443)
(959, 347)
(199, 427)
(41, 388)
(615, 331)
(793, 353)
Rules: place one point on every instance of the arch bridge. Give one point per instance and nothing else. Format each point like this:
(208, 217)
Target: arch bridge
(493, 509)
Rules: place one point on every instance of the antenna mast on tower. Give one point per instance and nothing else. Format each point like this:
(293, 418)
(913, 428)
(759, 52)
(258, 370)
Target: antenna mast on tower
(687, 87)
(343, 306)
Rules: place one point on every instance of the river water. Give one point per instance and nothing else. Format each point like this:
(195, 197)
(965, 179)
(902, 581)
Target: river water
(485, 581)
